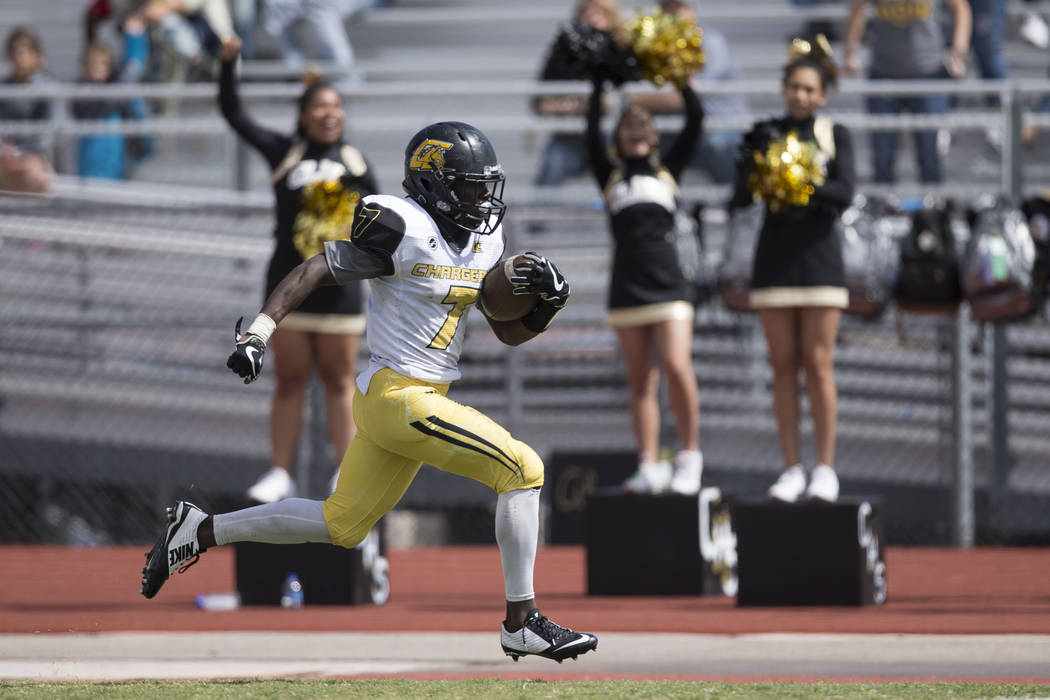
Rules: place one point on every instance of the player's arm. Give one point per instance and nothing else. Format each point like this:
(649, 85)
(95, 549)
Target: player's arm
(535, 275)
(511, 332)
(246, 360)
(296, 285)
(367, 253)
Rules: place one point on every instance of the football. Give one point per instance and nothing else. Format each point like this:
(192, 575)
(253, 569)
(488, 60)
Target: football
(498, 300)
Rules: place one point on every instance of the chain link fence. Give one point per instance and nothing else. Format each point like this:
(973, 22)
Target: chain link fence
(116, 315)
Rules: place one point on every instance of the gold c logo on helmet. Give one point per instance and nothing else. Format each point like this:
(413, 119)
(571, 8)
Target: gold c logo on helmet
(429, 155)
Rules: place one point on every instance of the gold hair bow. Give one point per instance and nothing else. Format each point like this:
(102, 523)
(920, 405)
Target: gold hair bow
(310, 77)
(800, 47)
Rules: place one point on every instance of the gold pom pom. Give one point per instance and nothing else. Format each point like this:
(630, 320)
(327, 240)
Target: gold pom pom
(326, 215)
(787, 174)
(669, 48)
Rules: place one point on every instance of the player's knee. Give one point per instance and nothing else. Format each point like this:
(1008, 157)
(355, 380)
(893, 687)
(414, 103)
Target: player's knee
(527, 475)
(348, 534)
(345, 527)
(350, 538)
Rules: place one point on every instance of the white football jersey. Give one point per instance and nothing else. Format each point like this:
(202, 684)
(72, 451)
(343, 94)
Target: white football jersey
(417, 312)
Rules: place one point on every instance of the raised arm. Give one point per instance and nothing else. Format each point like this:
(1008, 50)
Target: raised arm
(681, 151)
(272, 145)
(601, 166)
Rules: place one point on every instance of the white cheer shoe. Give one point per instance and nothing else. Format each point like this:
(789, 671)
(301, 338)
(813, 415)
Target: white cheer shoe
(688, 468)
(651, 477)
(790, 485)
(275, 485)
(823, 484)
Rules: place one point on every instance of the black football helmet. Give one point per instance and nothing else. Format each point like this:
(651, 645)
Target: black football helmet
(452, 171)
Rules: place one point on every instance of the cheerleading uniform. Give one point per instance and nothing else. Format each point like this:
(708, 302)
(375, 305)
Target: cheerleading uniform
(295, 163)
(642, 196)
(798, 260)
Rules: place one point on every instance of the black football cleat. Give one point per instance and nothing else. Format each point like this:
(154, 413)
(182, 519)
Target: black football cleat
(539, 636)
(177, 548)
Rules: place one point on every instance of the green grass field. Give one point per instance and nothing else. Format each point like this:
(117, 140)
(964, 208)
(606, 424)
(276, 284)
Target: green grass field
(502, 689)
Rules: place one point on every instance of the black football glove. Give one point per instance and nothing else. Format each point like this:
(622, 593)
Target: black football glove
(538, 275)
(246, 360)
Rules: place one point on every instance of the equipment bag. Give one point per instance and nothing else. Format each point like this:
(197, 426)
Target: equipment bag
(928, 274)
(869, 255)
(998, 278)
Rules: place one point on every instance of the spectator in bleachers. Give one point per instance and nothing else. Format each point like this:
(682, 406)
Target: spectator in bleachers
(814, 27)
(23, 165)
(907, 44)
(326, 329)
(565, 154)
(95, 14)
(650, 302)
(798, 282)
(106, 155)
(987, 41)
(245, 15)
(717, 152)
(324, 21)
(191, 29)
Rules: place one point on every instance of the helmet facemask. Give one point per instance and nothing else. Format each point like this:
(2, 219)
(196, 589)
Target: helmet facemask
(475, 200)
(451, 170)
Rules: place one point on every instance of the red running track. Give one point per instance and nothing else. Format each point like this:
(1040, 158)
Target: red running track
(931, 591)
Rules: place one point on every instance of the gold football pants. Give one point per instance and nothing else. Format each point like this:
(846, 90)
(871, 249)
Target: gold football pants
(403, 422)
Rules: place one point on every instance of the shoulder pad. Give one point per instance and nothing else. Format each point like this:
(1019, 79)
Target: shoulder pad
(378, 230)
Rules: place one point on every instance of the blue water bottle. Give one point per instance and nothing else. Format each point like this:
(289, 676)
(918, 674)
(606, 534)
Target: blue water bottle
(292, 592)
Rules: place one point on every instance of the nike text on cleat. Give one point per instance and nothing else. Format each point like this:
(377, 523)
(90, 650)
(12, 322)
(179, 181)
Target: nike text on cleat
(177, 548)
(539, 636)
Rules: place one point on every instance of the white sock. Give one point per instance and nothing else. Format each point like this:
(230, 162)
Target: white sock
(517, 534)
(291, 521)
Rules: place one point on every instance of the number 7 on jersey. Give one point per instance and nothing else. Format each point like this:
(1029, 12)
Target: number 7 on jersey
(460, 298)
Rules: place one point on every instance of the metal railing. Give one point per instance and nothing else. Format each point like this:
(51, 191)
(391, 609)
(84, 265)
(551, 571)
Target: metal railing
(372, 121)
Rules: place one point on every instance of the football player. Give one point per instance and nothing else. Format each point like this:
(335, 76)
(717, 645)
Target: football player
(424, 257)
